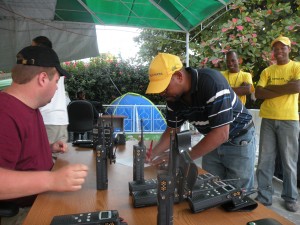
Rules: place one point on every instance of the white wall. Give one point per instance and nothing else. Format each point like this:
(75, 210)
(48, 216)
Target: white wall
(257, 122)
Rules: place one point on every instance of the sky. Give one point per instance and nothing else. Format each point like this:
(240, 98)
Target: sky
(117, 40)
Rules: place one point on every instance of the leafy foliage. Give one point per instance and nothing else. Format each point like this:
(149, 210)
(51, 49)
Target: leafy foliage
(247, 27)
(105, 78)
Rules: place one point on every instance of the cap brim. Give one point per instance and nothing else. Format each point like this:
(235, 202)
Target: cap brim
(62, 72)
(281, 41)
(156, 87)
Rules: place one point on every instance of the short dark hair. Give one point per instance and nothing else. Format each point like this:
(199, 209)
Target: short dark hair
(22, 74)
(231, 52)
(80, 95)
(42, 41)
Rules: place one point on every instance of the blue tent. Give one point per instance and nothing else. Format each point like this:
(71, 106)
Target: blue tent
(136, 107)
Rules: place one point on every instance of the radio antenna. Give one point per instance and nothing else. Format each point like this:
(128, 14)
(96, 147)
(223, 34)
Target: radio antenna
(141, 142)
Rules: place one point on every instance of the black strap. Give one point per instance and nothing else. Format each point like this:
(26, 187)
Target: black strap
(243, 131)
(244, 204)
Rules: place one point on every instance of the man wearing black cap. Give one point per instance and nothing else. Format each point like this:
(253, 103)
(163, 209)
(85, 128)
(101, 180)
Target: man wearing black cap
(25, 156)
(279, 86)
(55, 114)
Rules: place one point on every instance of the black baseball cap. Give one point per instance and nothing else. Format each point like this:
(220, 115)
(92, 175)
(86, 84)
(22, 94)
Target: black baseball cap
(40, 56)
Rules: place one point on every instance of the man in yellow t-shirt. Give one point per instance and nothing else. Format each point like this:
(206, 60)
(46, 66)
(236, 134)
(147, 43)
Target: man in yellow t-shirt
(279, 87)
(240, 81)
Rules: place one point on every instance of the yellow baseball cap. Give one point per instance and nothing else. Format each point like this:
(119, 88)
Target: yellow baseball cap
(283, 40)
(161, 69)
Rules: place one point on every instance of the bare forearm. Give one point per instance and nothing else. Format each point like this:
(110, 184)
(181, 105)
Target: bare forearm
(263, 93)
(163, 144)
(273, 91)
(286, 89)
(211, 141)
(242, 90)
(18, 184)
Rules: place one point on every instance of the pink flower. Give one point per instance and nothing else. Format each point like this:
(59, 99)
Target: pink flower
(272, 59)
(254, 35)
(231, 36)
(234, 20)
(239, 28)
(291, 27)
(204, 61)
(248, 19)
(224, 29)
(215, 61)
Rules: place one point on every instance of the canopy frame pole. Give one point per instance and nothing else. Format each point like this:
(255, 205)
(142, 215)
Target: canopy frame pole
(168, 15)
(223, 2)
(90, 12)
(187, 55)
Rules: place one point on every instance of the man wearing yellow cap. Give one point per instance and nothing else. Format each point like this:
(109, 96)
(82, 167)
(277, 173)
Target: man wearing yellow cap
(204, 98)
(279, 86)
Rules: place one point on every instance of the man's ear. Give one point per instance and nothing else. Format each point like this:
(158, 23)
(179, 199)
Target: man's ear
(240, 60)
(179, 75)
(43, 78)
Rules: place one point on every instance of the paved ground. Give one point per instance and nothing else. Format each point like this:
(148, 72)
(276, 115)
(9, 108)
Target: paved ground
(278, 203)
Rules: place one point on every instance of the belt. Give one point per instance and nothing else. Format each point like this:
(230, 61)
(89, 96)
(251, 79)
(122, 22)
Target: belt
(243, 131)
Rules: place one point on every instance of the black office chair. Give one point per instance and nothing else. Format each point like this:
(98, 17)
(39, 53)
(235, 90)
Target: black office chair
(81, 118)
(8, 209)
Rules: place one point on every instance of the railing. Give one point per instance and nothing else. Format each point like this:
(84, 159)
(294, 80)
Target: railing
(153, 117)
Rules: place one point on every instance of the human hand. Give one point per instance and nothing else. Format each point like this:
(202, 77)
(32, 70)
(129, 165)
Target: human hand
(149, 153)
(59, 147)
(159, 160)
(68, 178)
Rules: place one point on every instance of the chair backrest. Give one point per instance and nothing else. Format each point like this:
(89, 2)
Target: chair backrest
(98, 106)
(81, 116)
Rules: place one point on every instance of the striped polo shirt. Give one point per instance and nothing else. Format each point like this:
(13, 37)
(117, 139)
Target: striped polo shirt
(214, 104)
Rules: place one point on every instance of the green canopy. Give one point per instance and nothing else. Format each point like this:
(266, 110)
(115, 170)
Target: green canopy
(5, 80)
(70, 24)
(174, 15)
(5, 83)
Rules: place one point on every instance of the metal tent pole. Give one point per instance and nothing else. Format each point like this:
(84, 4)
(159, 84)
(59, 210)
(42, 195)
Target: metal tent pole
(187, 58)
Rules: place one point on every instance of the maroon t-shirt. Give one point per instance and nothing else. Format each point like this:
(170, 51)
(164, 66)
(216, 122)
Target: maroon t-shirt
(24, 143)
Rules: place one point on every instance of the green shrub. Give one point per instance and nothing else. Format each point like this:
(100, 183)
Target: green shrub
(105, 78)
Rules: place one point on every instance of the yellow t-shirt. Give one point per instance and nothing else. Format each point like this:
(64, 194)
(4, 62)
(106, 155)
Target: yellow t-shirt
(236, 79)
(284, 107)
